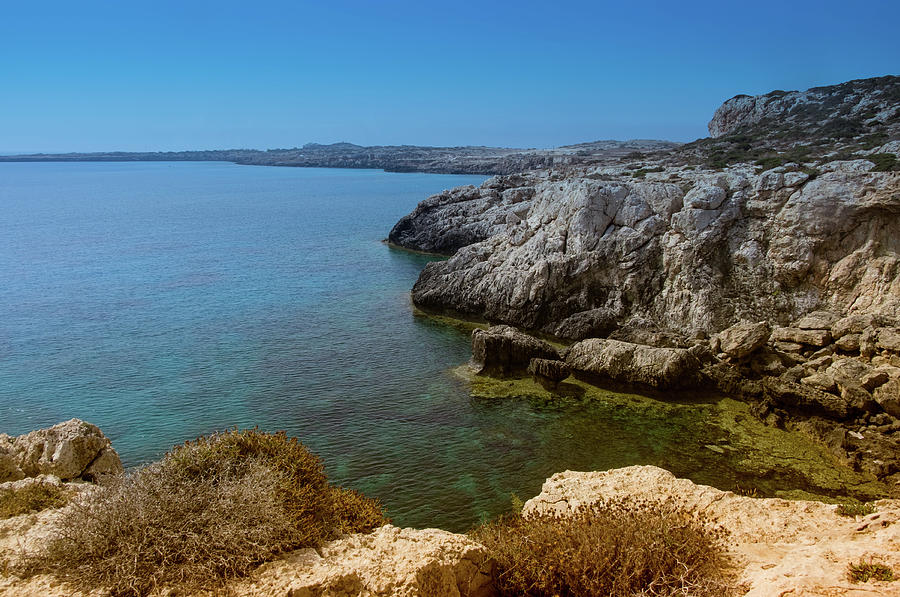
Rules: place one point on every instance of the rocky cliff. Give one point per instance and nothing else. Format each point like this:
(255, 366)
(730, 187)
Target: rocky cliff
(759, 266)
(662, 257)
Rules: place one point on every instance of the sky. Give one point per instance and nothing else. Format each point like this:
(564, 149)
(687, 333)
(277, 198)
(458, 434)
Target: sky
(166, 75)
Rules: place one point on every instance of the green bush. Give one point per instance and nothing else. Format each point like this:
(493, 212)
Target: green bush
(31, 498)
(855, 509)
(210, 510)
(619, 548)
(865, 571)
(884, 162)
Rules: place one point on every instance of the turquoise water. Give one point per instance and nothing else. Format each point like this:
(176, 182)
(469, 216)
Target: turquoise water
(162, 301)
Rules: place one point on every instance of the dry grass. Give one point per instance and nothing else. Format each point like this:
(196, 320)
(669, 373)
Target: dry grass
(31, 498)
(209, 511)
(615, 549)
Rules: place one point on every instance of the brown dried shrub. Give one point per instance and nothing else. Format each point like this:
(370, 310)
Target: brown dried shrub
(210, 510)
(616, 548)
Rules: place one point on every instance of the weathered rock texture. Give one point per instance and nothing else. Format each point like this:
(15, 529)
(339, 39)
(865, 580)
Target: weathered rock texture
(70, 450)
(680, 253)
(817, 112)
(503, 350)
(782, 547)
(624, 362)
(389, 561)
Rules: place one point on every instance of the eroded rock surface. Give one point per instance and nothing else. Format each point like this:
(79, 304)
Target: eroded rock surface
(781, 547)
(628, 363)
(599, 251)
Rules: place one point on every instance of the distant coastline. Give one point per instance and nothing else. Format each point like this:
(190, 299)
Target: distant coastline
(391, 158)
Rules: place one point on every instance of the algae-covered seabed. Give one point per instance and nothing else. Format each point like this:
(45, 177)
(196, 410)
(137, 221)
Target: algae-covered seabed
(712, 440)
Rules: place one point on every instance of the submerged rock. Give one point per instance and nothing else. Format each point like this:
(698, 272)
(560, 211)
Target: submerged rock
(70, 450)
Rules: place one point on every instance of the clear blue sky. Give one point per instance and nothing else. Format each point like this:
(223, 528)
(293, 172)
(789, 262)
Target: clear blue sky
(160, 75)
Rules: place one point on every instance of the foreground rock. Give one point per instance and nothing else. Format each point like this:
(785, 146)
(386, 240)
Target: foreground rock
(70, 450)
(389, 561)
(782, 547)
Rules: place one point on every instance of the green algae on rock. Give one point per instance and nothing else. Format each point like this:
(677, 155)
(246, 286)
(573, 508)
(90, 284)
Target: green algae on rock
(713, 440)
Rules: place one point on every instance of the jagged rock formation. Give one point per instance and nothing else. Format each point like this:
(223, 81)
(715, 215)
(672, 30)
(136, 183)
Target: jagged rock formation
(780, 546)
(820, 112)
(823, 123)
(681, 253)
(70, 450)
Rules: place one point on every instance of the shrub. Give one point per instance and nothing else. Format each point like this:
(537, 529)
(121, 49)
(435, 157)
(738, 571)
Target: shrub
(31, 498)
(617, 548)
(884, 162)
(865, 571)
(210, 510)
(855, 509)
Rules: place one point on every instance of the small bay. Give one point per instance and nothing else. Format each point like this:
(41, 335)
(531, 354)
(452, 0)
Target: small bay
(163, 301)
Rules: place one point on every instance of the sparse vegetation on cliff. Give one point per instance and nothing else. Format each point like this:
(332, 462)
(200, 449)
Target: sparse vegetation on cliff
(617, 548)
(31, 498)
(210, 510)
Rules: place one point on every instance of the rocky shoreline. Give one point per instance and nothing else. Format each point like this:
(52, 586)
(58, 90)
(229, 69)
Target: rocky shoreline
(796, 546)
(776, 284)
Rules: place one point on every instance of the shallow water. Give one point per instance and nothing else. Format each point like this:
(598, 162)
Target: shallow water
(162, 301)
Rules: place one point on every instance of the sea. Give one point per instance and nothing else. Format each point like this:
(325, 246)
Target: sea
(162, 301)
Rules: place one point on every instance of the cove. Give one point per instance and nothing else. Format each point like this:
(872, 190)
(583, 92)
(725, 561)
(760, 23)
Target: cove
(162, 301)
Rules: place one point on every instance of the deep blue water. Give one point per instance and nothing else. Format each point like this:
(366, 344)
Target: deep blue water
(162, 301)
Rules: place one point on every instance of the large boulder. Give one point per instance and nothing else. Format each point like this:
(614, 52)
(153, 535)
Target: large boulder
(70, 450)
(624, 362)
(742, 339)
(504, 350)
(389, 561)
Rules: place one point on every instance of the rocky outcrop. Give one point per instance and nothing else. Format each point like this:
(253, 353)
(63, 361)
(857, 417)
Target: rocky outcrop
(70, 450)
(637, 248)
(503, 350)
(834, 110)
(627, 363)
(389, 561)
(681, 252)
(477, 214)
(780, 547)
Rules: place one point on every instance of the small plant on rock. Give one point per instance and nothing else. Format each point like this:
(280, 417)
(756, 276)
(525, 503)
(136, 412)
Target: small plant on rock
(31, 498)
(856, 509)
(616, 549)
(866, 571)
